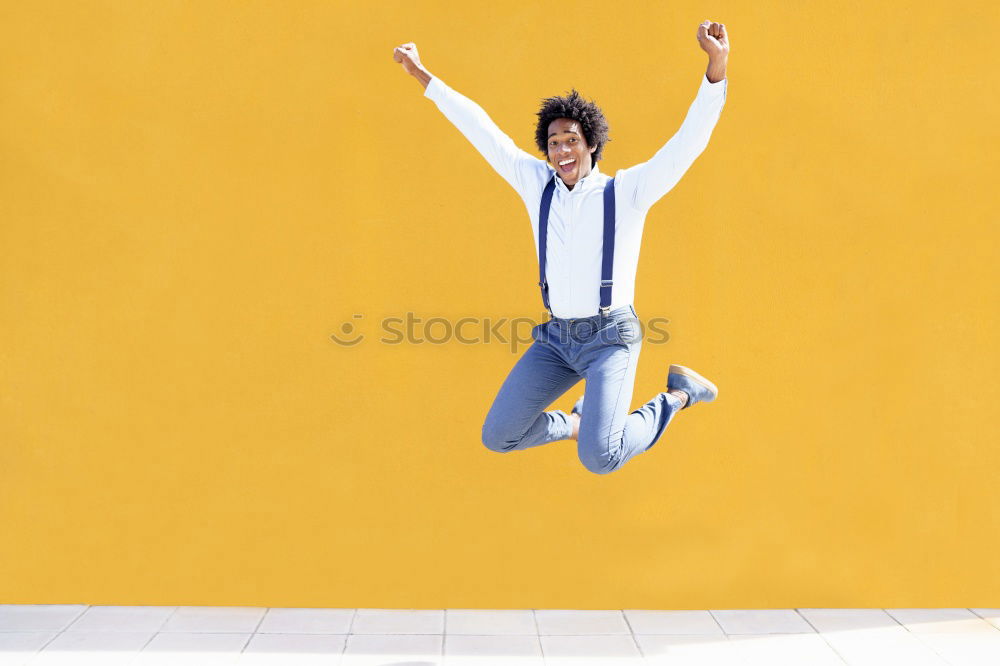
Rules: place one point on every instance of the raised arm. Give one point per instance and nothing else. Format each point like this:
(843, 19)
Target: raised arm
(513, 164)
(646, 183)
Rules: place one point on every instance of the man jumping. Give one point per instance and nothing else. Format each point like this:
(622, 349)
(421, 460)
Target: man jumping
(588, 229)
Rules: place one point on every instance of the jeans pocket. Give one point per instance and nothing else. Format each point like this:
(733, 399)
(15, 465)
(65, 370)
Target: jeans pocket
(629, 330)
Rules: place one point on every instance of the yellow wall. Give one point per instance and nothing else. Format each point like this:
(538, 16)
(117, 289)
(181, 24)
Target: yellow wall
(196, 195)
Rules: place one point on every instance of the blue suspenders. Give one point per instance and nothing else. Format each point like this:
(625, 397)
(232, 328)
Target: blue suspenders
(607, 251)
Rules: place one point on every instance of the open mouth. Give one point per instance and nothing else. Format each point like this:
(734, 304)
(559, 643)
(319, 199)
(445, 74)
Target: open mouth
(567, 165)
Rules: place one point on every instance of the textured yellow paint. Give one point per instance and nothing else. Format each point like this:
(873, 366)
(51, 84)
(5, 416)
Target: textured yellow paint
(195, 195)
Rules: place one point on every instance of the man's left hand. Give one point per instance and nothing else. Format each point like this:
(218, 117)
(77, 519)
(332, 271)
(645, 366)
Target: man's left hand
(713, 40)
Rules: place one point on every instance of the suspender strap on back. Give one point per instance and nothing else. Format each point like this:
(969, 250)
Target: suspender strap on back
(607, 250)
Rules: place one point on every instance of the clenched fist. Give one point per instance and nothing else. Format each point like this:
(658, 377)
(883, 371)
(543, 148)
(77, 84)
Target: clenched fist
(713, 39)
(407, 54)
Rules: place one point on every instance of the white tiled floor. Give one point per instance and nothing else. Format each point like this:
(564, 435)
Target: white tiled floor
(190, 636)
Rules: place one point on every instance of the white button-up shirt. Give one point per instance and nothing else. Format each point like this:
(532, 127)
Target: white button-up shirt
(576, 217)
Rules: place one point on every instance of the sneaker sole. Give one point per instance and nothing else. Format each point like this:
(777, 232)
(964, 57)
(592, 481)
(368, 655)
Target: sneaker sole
(691, 374)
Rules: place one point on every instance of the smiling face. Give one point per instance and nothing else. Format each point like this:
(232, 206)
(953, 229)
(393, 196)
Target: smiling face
(567, 144)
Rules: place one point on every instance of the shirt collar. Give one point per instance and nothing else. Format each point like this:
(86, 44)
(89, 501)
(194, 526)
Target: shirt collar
(583, 183)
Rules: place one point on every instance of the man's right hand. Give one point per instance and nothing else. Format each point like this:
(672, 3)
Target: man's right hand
(408, 56)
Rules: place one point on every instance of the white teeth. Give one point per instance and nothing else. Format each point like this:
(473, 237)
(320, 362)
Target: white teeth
(564, 162)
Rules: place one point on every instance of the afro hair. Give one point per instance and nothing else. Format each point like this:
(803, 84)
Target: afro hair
(574, 107)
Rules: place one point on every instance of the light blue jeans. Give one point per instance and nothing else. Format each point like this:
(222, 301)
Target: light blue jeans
(602, 350)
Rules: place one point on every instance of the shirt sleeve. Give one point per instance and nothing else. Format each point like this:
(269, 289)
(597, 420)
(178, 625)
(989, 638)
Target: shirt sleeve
(646, 183)
(516, 166)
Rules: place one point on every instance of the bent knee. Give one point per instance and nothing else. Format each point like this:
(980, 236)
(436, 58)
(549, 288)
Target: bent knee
(598, 466)
(496, 439)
